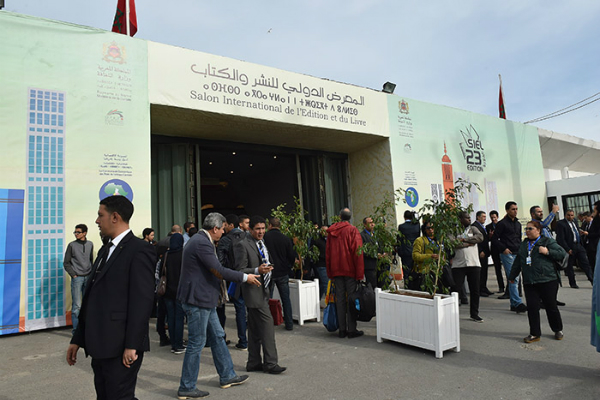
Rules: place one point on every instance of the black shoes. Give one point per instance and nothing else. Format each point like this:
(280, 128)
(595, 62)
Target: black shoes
(483, 294)
(521, 308)
(276, 370)
(165, 341)
(560, 303)
(504, 296)
(476, 318)
(355, 334)
(255, 368)
(574, 286)
(342, 334)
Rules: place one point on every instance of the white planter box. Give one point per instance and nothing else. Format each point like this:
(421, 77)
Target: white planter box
(304, 296)
(431, 324)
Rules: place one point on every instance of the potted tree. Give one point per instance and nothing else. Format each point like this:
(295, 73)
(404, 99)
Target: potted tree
(428, 319)
(304, 294)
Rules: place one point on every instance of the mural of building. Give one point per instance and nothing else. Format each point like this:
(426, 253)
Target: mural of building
(44, 225)
(447, 175)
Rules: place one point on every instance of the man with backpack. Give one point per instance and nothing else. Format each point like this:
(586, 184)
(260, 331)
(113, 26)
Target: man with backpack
(225, 254)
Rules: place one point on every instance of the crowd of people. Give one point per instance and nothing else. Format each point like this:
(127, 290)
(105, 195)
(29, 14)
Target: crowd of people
(242, 259)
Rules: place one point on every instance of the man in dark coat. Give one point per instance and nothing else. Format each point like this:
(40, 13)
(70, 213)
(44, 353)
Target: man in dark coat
(370, 262)
(198, 292)
(283, 258)
(116, 307)
(483, 249)
(410, 231)
(567, 235)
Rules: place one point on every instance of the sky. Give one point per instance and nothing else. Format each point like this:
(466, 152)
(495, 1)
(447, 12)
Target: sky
(438, 51)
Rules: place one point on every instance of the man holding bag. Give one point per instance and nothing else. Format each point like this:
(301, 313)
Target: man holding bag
(345, 267)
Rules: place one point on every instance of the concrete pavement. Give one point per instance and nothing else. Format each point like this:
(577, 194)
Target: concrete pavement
(494, 363)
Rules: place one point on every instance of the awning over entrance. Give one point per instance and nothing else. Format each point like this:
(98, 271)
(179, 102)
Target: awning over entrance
(174, 121)
(560, 150)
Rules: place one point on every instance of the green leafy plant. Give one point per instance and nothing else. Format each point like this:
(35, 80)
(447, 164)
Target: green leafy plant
(295, 226)
(385, 239)
(443, 215)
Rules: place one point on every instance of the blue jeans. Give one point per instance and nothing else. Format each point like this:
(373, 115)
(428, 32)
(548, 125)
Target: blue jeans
(204, 328)
(77, 289)
(283, 286)
(175, 322)
(323, 280)
(240, 319)
(513, 288)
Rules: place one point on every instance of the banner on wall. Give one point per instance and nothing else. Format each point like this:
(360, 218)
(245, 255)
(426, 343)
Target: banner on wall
(75, 129)
(199, 81)
(432, 146)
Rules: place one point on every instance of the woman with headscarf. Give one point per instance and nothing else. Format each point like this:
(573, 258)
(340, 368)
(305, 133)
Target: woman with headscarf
(174, 310)
(536, 260)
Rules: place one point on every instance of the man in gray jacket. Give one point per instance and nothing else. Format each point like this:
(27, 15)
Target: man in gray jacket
(466, 262)
(78, 262)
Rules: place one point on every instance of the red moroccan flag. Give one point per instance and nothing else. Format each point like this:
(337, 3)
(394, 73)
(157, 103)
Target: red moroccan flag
(120, 22)
(501, 104)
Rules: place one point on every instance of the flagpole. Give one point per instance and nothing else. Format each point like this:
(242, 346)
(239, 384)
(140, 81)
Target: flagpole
(500, 77)
(127, 17)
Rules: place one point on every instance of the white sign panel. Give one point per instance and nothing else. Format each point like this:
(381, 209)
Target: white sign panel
(191, 79)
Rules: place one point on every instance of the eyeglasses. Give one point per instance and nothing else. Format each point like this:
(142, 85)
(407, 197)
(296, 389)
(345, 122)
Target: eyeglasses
(77, 233)
(529, 228)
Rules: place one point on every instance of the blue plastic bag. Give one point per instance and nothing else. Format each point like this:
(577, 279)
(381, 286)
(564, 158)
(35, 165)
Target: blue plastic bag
(330, 320)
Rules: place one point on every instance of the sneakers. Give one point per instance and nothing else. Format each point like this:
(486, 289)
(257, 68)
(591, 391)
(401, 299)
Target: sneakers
(531, 339)
(559, 335)
(241, 347)
(476, 318)
(238, 380)
(178, 351)
(193, 394)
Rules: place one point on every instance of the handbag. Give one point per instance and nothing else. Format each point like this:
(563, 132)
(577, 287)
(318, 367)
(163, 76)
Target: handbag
(161, 289)
(361, 303)
(330, 320)
(276, 311)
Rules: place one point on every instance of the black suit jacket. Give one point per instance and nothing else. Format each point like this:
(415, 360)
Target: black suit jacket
(485, 245)
(370, 262)
(281, 251)
(118, 301)
(410, 232)
(564, 234)
(593, 235)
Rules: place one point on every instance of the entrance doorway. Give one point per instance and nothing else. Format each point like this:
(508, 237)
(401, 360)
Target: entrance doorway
(191, 178)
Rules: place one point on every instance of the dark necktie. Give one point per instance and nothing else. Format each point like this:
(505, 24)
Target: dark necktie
(108, 246)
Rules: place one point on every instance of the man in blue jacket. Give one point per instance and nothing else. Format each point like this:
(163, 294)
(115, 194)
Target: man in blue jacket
(198, 292)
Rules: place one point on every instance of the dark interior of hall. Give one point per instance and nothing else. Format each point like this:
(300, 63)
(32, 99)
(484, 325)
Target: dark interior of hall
(242, 181)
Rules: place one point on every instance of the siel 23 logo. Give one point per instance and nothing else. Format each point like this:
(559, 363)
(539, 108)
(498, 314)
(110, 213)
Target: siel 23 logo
(472, 149)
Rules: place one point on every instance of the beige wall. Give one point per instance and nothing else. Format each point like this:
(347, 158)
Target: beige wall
(371, 179)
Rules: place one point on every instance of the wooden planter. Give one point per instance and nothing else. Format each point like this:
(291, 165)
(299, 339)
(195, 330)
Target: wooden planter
(305, 299)
(431, 324)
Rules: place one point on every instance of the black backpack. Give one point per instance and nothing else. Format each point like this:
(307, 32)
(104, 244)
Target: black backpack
(236, 237)
(361, 303)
